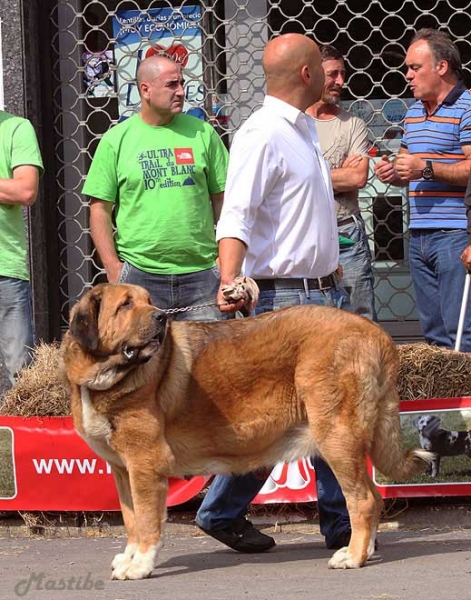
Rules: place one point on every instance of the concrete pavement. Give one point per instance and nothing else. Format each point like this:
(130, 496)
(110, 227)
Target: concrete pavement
(427, 560)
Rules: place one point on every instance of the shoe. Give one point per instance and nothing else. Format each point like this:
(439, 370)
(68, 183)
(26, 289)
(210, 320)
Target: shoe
(242, 536)
(342, 540)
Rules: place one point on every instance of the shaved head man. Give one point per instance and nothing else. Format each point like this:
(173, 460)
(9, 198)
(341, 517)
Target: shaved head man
(278, 226)
(161, 173)
(293, 70)
(160, 83)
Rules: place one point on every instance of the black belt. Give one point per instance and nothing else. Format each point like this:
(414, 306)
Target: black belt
(346, 221)
(317, 283)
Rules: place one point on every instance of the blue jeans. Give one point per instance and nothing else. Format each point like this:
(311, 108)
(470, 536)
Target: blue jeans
(438, 276)
(16, 324)
(358, 278)
(229, 496)
(179, 291)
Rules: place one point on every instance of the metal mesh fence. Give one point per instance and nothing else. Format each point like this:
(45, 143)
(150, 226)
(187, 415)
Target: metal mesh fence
(98, 44)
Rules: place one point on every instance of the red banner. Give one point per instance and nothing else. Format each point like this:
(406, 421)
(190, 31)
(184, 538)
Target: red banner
(45, 465)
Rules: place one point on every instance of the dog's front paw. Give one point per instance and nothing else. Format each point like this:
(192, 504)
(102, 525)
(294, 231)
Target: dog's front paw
(139, 571)
(130, 570)
(140, 567)
(137, 568)
(119, 571)
(120, 566)
(343, 559)
(121, 561)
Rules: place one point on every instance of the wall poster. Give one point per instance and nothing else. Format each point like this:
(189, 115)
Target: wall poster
(173, 31)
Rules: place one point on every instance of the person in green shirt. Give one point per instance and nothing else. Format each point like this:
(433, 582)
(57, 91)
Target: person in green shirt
(20, 168)
(163, 173)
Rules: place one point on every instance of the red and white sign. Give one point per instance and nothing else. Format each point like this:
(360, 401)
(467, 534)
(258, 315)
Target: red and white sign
(52, 468)
(45, 465)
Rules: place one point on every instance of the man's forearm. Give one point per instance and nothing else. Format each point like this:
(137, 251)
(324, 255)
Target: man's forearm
(351, 175)
(410, 167)
(231, 256)
(217, 201)
(101, 229)
(346, 179)
(454, 173)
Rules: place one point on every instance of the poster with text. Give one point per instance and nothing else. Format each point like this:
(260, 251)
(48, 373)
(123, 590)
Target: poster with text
(173, 31)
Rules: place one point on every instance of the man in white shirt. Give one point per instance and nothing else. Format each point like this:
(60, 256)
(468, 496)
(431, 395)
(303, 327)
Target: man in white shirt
(278, 225)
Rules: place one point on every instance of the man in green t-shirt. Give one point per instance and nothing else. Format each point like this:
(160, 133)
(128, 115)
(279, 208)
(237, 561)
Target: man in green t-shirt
(20, 168)
(164, 174)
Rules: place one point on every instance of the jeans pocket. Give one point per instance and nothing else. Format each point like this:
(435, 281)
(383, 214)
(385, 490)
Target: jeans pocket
(124, 272)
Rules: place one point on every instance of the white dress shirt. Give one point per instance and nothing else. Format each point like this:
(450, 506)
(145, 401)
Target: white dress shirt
(278, 198)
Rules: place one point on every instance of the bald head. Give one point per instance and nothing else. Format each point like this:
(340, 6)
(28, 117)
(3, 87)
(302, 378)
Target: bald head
(152, 67)
(292, 63)
(160, 84)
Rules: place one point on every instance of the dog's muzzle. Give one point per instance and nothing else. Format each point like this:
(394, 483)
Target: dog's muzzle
(144, 352)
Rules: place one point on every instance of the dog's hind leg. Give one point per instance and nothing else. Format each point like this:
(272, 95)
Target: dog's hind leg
(346, 458)
(379, 508)
(363, 508)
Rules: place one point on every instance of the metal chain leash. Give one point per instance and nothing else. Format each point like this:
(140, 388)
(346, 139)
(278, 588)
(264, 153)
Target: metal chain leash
(171, 311)
(242, 288)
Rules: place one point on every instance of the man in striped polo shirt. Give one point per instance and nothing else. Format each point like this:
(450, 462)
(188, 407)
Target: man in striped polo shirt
(435, 161)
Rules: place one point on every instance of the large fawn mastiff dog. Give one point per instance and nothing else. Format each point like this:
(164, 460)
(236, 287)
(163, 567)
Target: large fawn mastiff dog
(157, 398)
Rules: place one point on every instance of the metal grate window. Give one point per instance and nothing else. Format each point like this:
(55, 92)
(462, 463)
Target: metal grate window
(97, 46)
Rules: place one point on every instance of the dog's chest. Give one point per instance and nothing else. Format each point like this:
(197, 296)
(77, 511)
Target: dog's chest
(96, 429)
(425, 442)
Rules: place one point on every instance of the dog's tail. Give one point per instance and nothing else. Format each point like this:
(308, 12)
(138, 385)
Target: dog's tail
(387, 452)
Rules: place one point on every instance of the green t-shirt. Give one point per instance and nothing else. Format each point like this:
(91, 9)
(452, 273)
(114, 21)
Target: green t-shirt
(160, 179)
(18, 147)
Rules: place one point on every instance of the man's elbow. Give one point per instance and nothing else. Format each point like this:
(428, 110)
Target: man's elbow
(28, 197)
(359, 179)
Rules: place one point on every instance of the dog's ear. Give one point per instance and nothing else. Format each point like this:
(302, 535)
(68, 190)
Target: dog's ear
(432, 425)
(84, 319)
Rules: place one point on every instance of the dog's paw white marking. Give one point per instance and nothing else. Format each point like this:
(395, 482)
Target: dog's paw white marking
(121, 561)
(342, 559)
(140, 567)
(119, 571)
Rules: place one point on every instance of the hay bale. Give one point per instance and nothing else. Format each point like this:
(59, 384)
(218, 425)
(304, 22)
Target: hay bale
(39, 389)
(431, 372)
(425, 372)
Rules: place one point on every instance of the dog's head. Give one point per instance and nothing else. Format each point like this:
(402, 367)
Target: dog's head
(113, 328)
(425, 424)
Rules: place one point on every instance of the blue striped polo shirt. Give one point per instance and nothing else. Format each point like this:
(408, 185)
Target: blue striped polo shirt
(438, 137)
